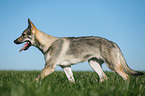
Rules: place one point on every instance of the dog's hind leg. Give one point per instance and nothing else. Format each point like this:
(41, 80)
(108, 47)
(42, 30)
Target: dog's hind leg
(114, 63)
(69, 73)
(120, 71)
(117, 68)
(96, 66)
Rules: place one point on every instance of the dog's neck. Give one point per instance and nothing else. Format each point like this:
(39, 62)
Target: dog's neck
(43, 41)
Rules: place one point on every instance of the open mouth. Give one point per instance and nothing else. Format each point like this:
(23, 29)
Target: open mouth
(26, 46)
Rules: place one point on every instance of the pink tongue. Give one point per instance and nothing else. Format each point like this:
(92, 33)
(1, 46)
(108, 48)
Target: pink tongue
(24, 46)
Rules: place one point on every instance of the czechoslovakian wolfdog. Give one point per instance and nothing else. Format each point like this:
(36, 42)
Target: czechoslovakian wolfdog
(67, 51)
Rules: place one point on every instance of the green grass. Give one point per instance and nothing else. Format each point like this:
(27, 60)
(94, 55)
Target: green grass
(18, 83)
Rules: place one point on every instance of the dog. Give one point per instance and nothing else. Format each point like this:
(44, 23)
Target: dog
(67, 51)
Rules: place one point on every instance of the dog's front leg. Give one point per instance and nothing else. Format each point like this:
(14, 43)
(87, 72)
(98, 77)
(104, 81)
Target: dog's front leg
(69, 73)
(46, 71)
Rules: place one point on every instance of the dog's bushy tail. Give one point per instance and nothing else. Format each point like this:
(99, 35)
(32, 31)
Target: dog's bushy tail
(127, 69)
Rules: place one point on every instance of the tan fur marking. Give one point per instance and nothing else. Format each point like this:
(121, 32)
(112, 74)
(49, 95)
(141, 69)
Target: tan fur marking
(120, 71)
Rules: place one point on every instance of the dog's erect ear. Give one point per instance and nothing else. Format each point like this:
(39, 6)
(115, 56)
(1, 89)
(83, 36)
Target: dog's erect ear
(30, 24)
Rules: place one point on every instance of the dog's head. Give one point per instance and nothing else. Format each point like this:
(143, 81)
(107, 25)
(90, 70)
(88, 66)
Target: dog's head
(27, 36)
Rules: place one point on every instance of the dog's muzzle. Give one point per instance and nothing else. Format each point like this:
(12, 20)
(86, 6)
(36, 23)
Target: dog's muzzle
(25, 47)
(17, 42)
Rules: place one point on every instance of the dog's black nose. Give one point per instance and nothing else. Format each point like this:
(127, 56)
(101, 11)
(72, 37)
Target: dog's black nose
(16, 41)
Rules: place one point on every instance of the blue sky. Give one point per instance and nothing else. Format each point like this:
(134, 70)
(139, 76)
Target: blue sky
(121, 21)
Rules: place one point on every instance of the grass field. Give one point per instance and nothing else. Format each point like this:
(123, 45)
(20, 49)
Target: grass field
(18, 83)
